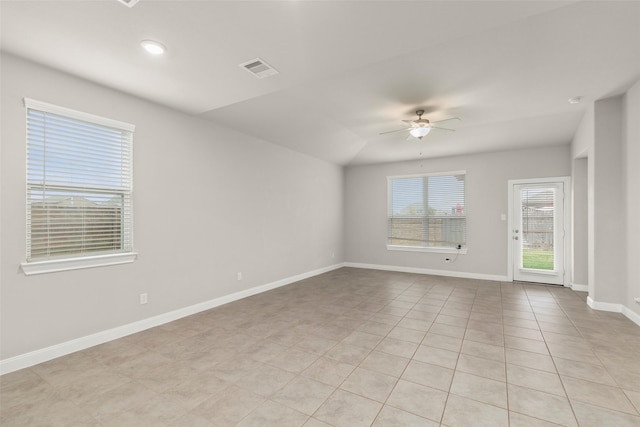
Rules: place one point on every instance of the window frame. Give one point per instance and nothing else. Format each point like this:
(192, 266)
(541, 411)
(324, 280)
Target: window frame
(433, 249)
(77, 260)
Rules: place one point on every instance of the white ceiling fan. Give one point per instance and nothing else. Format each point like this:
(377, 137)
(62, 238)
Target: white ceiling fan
(421, 127)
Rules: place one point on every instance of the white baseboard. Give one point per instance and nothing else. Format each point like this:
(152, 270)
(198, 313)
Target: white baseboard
(616, 308)
(578, 287)
(632, 315)
(417, 270)
(42, 355)
(604, 306)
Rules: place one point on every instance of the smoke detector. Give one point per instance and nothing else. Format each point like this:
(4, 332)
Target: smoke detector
(129, 3)
(259, 68)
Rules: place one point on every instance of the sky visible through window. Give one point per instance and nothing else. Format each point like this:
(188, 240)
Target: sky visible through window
(409, 192)
(73, 153)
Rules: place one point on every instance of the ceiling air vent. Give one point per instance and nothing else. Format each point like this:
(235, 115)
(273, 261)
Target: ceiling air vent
(259, 68)
(129, 3)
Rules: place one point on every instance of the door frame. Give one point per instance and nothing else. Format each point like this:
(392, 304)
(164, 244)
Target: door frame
(566, 181)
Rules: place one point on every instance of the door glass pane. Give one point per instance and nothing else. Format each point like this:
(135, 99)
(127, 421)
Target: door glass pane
(538, 213)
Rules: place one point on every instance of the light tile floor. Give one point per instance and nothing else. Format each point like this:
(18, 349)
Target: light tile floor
(353, 347)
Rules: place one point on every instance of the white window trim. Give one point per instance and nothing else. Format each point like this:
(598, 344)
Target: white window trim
(78, 115)
(75, 263)
(420, 175)
(64, 264)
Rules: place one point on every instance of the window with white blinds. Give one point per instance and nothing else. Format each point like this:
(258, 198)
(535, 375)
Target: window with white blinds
(427, 211)
(79, 184)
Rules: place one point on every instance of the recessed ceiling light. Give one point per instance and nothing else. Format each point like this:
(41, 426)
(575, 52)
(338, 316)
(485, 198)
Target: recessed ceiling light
(129, 3)
(153, 47)
(575, 100)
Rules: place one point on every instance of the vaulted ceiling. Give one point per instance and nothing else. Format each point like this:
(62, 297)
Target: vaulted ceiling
(350, 70)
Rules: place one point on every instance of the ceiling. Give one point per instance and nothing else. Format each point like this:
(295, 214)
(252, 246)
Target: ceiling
(350, 70)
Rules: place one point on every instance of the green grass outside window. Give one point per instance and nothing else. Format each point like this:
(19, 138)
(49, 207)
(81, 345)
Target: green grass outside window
(537, 259)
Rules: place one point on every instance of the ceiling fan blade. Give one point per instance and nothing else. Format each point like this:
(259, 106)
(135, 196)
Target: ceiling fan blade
(445, 120)
(408, 121)
(439, 128)
(394, 131)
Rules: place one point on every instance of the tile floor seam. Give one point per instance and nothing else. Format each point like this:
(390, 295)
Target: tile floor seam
(404, 370)
(446, 401)
(570, 399)
(83, 410)
(399, 377)
(560, 376)
(505, 362)
(564, 388)
(543, 420)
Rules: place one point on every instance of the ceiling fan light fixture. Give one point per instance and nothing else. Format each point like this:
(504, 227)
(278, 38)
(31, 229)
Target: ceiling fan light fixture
(419, 132)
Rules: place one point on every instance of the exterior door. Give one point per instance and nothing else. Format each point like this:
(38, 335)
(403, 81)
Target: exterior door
(538, 232)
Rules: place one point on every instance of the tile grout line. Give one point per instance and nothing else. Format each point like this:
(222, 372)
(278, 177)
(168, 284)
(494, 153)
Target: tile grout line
(405, 368)
(575, 416)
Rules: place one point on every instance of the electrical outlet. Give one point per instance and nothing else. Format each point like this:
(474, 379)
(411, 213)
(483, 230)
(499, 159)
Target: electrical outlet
(239, 276)
(144, 298)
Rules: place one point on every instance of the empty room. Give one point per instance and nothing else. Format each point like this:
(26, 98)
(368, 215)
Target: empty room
(319, 213)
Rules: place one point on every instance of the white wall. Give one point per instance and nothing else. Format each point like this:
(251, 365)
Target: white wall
(583, 139)
(580, 222)
(631, 189)
(486, 200)
(582, 201)
(208, 202)
(609, 135)
(609, 238)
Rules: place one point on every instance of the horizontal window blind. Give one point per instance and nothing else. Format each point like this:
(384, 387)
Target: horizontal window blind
(79, 183)
(427, 211)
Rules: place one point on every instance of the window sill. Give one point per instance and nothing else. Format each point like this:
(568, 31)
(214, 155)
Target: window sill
(462, 251)
(55, 265)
